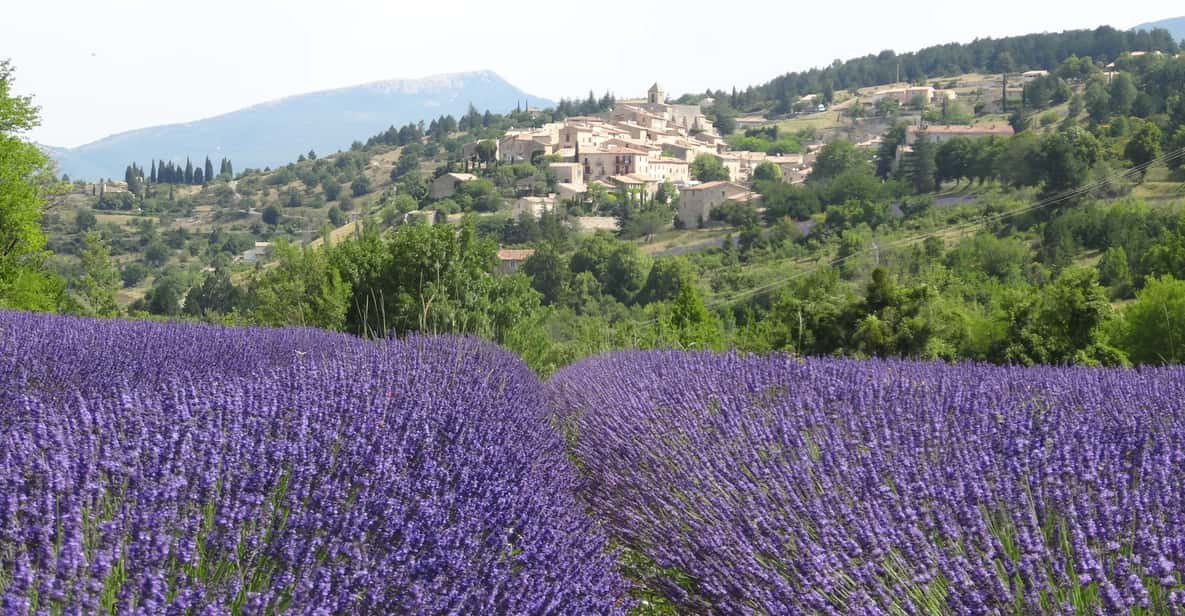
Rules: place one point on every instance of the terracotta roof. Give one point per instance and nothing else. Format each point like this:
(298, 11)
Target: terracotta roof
(514, 255)
(632, 179)
(746, 197)
(709, 185)
(615, 150)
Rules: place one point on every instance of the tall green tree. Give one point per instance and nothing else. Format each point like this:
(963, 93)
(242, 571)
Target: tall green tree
(1144, 146)
(1177, 143)
(1065, 324)
(1098, 102)
(707, 168)
(441, 279)
(1122, 93)
(886, 153)
(26, 178)
(98, 279)
(685, 322)
(1155, 323)
(549, 273)
(837, 158)
(955, 159)
(215, 296)
(1066, 159)
(667, 276)
(920, 166)
(618, 266)
(1115, 272)
(301, 290)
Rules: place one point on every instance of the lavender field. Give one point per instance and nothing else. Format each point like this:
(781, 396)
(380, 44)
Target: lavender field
(770, 485)
(153, 469)
(179, 469)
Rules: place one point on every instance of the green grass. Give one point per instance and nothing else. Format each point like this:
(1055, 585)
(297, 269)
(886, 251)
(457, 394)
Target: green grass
(817, 121)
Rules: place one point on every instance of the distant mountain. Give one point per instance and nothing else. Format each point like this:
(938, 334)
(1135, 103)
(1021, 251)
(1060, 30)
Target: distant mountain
(1175, 26)
(276, 132)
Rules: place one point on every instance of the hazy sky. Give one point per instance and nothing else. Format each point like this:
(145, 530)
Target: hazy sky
(101, 67)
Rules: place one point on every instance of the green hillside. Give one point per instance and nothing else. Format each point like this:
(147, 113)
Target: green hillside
(972, 248)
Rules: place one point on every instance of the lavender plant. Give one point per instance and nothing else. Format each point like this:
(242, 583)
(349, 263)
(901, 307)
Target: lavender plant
(151, 469)
(771, 485)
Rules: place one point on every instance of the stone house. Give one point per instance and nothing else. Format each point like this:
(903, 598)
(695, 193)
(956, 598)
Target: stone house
(534, 206)
(605, 162)
(697, 202)
(521, 147)
(445, 186)
(636, 186)
(790, 165)
(672, 170)
(568, 173)
(941, 133)
(509, 260)
(566, 192)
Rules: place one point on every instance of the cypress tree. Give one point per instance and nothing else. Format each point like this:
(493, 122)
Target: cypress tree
(188, 171)
(199, 177)
(152, 173)
(209, 175)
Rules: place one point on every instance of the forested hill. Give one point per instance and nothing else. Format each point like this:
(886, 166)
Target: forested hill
(273, 133)
(1017, 53)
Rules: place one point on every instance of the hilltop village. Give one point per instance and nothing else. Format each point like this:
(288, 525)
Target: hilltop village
(640, 145)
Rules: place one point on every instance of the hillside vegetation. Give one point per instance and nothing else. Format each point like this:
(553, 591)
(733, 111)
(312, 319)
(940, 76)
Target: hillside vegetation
(1050, 246)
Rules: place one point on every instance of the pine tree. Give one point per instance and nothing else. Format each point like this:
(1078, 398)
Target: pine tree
(921, 167)
(97, 285)
(209, 173)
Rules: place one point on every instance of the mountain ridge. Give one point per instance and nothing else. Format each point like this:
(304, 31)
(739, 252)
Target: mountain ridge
(1175, 26)
(273, 132)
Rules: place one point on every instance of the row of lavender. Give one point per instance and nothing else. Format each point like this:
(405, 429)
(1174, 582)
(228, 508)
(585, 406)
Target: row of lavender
(769, 485)
(150, 469)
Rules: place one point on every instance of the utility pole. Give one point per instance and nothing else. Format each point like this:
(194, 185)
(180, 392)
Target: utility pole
(1004, 100)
